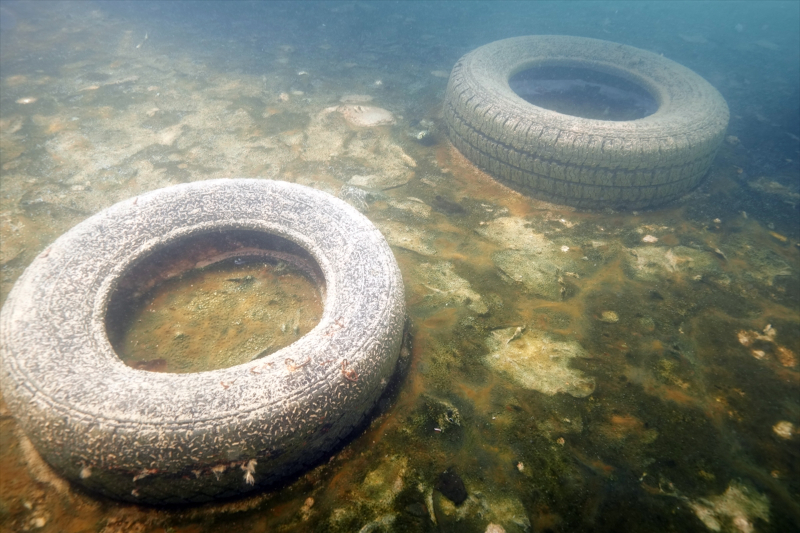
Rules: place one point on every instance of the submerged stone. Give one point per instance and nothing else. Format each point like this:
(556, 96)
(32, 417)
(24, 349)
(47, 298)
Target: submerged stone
(443, 413)
(536, 361)
(537, 274)
(366, 116)
(529, 257)
(609, 317)
(739, 505)
(381, 181)
(450, 484)
(653, 263)
(447, 287)
(408, 237)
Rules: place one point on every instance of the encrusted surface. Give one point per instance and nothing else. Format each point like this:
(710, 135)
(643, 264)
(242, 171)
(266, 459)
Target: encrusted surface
(577, 161)
(155, 437)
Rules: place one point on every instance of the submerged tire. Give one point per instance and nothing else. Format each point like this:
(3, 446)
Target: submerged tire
(178, 438)
(577, 161)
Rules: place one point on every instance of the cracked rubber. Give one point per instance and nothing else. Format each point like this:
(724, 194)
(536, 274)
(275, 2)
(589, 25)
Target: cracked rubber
(179, 438)
(576, 161)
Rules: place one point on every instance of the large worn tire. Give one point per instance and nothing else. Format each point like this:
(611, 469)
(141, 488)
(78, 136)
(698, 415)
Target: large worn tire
(176, 438)
(576, 161)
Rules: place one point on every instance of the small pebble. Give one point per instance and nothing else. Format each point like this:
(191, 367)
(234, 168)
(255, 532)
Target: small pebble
(609, 317)
(784, 429)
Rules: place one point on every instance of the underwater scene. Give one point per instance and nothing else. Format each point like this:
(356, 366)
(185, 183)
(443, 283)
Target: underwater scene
(567, 366)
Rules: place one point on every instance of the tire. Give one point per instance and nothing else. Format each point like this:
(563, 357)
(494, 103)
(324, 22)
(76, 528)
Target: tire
(576, 161)
(165, 439)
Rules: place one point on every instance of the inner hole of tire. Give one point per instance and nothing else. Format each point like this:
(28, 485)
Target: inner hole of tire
(214, 300)
(583, 92)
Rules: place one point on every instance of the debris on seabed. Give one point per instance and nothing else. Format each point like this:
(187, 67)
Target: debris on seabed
(517, 334)
(784, 429)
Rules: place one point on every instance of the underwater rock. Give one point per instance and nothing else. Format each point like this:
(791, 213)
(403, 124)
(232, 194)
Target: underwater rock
(355, 98)
(424, 137)
(784, 429)
(651, 263)
(447, 207)
(529, 258)
(766, 185)
(765, 266)
(450, 484)
(384, 164)
(609, 317)
(483, 506)
(762, 344)
(448, 287)
(366, 116)
(408, 237)
(358, 198)
(381, 181)
(382, 523)
(382, 485)
(417, 509)
(414, 206)
(443, 413)
(324, 138)
(375, 496)
(514, 233)
(536, 361)
(739, 505)
(539, 275)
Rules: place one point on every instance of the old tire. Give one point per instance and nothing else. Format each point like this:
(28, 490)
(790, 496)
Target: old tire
(576, 161)
(177, 438)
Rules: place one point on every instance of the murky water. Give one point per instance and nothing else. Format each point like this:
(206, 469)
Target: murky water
(577, 371)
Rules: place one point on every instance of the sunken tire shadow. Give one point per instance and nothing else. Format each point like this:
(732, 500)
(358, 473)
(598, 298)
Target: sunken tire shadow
(586, 163)
(165, 439)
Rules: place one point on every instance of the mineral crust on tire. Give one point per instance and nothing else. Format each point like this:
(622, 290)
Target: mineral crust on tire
(178, 438)
(577, 161)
